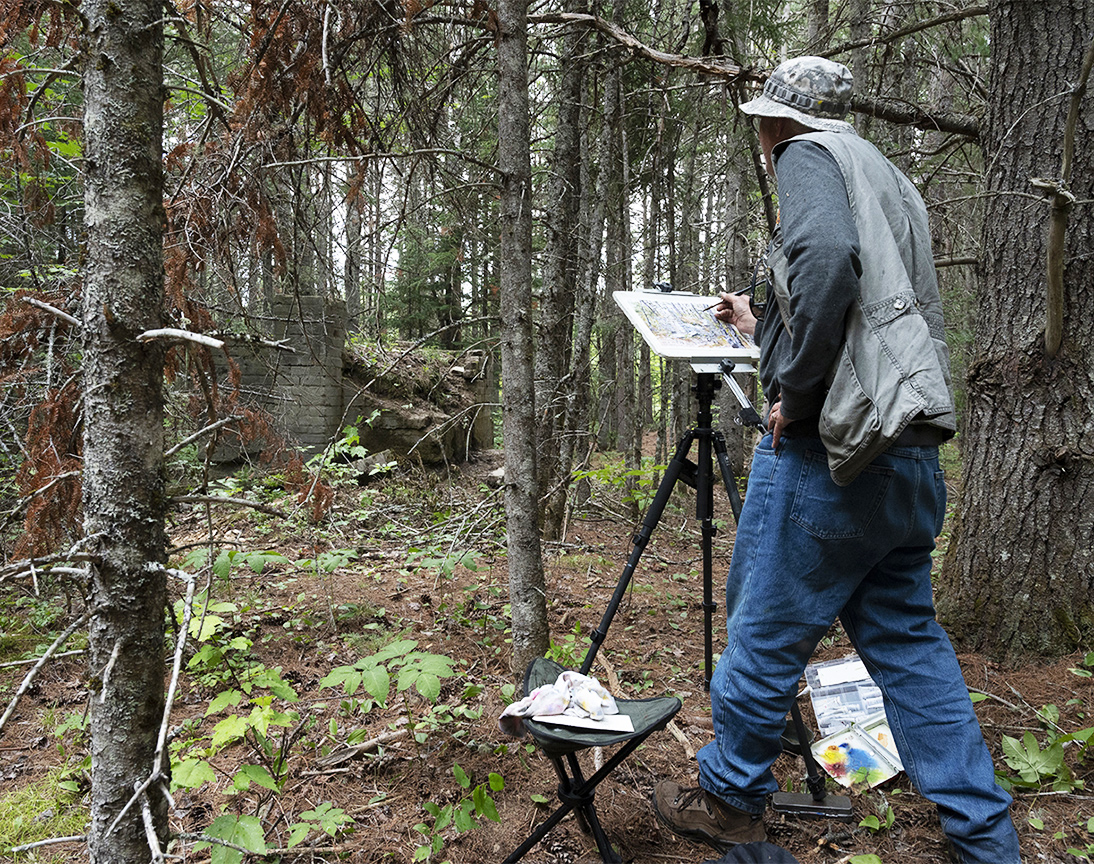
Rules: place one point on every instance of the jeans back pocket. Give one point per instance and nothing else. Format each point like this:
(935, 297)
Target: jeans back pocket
(832, 512)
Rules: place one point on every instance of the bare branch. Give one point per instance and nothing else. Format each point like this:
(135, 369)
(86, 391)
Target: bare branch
(612, 31)
(30, 676)
(202, 432)
(26, 847)
(53, 310)
(11, 663)
(175, 334)
(1062, 202)
(907, 114)
(897, 35)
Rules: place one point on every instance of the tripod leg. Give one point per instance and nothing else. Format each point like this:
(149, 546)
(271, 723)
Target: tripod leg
(727, 475)
(816, 803)
(641, 540)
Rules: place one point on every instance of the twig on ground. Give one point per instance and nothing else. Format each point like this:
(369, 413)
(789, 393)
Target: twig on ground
(337, 757)
(234, 502)
(26, 847)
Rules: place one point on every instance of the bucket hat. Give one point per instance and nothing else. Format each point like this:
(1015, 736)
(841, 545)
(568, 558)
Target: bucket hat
(814, 91)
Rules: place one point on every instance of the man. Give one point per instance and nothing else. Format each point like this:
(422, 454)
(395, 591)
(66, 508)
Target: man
(845, 495)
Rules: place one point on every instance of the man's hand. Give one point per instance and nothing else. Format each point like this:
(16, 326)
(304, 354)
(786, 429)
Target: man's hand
(776, 423)
(736, 310)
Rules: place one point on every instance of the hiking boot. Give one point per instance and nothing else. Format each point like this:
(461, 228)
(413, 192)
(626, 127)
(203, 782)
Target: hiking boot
(698, 815)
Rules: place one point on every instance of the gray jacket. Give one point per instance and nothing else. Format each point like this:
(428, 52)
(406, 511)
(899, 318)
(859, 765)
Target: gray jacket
(893, 369)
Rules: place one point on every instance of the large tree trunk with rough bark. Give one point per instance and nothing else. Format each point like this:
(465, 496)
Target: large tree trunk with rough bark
(123, 418)
(1019, 577)
(527, 596)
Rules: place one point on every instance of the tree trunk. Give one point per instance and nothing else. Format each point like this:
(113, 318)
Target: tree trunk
(1018, 577)
(527, 594)
(555, 389)
(123, 417)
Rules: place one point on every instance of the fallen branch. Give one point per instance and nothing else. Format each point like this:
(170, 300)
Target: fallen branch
(30, 676)
(234, 502)
(35, 659)
(337, 757)
(26, 847)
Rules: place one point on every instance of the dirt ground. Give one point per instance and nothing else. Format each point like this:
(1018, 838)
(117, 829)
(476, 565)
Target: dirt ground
(311, 622)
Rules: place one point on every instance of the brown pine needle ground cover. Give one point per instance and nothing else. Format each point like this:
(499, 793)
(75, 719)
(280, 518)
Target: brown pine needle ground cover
(322, 775)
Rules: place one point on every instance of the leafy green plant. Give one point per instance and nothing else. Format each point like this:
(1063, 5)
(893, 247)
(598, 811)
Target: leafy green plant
(463, 815)
(324, 817)
(570, 650)
(337, 460)
(245, 831)
(410, 668)
(1037, 766)
(445, 563)
(875, 823)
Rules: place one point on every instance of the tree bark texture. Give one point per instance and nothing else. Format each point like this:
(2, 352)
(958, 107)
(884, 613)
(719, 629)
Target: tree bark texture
(123, 416)
(1018, 578)
(555, 390)
(527, 597)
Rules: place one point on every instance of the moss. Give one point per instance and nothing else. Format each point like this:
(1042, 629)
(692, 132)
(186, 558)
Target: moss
(39, 811)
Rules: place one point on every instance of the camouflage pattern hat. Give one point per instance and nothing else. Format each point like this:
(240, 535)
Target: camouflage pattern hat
(812, 90)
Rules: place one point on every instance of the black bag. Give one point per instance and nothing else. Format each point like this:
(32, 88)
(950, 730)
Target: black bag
(756, 853)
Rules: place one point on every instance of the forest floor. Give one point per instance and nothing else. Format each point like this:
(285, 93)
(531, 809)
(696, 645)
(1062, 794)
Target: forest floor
(363, 779)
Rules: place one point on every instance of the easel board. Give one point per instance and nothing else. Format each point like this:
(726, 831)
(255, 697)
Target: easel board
(680, 326)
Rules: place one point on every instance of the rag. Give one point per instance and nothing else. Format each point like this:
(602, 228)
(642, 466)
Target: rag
(572, 693)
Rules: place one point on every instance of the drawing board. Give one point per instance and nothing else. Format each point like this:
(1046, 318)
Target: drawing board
(681, 326)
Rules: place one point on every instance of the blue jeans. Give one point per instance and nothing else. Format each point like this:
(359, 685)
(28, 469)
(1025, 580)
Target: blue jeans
(808, 551)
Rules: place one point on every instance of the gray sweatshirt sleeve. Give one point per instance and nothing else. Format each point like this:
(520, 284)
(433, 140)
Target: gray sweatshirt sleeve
(821, 244)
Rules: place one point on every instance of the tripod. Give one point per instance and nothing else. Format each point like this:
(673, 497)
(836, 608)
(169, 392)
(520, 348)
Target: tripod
(699, 476)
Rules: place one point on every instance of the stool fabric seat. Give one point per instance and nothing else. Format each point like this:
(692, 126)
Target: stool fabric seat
(561, 744)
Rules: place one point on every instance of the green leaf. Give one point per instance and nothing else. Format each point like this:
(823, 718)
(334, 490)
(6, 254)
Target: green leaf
(977, 697)
(191, 773)
(377, 682)
(245, 831)
(259, 775)
(203, 627)
(461, 776)
(395, 649)
(297, 833)
(464, 816)
(345, 676)
(223, 700)
(222, 566)
(227, 730)
(485, 804)
(865, 859)
(429, 685)
(496, 782)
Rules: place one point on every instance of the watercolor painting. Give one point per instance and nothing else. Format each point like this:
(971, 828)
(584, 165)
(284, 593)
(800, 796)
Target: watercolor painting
(852, 757)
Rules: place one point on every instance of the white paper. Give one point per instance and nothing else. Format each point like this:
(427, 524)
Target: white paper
(851, 669)
(610, 723)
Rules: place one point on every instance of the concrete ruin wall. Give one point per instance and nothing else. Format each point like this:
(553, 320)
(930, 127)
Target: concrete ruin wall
(315, 390)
